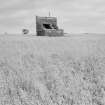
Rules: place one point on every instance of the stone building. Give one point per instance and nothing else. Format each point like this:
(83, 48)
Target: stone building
(47, 26)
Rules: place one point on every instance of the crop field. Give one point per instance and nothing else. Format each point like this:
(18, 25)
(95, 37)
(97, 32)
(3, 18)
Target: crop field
(52, 70)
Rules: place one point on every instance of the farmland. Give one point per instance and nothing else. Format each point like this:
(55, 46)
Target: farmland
(52, 70)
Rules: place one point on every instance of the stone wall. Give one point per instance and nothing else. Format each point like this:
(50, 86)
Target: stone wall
(51, 29)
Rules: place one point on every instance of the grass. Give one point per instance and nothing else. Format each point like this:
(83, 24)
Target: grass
(52, 71)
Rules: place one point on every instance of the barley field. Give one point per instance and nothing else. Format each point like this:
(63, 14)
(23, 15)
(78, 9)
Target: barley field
(66, 70)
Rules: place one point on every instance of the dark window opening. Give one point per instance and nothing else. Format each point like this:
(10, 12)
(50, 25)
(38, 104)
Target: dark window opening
(47, 26)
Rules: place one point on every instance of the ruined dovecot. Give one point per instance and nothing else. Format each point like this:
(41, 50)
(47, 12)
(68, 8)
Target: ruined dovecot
(47, 26)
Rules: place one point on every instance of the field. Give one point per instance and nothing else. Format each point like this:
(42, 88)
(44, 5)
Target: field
(52, 70)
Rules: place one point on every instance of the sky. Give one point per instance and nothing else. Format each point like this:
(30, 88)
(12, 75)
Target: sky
(74, 16)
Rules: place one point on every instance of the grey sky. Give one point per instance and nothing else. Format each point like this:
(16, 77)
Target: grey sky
(73, 15)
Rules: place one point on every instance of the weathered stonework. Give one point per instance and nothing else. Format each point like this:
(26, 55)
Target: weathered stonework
(47, 26)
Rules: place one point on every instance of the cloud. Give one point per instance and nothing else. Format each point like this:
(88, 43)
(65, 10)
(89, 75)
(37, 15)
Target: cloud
(73, 15)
